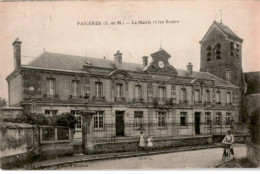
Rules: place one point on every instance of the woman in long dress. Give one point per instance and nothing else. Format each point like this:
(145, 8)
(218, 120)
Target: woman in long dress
(141, 141)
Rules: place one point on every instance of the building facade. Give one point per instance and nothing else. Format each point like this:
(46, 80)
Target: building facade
(126, 97)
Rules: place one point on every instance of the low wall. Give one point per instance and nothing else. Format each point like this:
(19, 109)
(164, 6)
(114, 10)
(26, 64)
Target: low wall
(55, 141)
(56, 149)
(239, 138)
(16, 142)
(23, 143)
(253, 153)
(125, 146)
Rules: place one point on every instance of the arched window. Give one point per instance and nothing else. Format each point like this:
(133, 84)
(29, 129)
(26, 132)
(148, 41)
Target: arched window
(209, 53)
(232, 48)
(218, 51)
(237, 50)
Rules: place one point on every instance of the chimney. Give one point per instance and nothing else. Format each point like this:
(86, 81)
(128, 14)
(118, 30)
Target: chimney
(189, 68)
(228, 75)
(118, 59)
(145, 61)
(17, 53)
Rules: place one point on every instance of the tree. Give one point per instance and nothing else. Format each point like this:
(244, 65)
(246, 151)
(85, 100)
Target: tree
(2, 102)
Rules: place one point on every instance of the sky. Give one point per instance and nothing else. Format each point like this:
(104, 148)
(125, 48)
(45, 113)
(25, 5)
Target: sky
(53, 27)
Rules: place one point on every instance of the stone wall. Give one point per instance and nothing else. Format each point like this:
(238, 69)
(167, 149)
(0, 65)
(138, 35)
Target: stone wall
(16, 143)
(51, 145)
(22, 143)
(253, 153)
(125, 146)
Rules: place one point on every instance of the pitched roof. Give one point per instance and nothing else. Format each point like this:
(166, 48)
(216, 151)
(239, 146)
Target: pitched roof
(226, 30)
(161, 53)
(75, 63)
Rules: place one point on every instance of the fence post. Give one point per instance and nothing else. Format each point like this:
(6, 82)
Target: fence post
(87, 132)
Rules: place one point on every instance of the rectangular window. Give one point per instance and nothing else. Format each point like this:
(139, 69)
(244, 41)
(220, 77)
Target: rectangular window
(77, 114)
(218, 97)
(99, 119)
(75, 88)
(228, 97)
(218, 118)
(99, 89)
(228, 118)
(119, 89)
(162, 93)
(207, 118)
(138, 91)
(183, 94)
(51, 112)
(50, 86)
(161, 119)
(197, 95)
(138, 118)
(207, 96)
(183, 119)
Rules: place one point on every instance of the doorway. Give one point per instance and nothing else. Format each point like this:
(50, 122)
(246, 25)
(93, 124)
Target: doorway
(120, 124)
(197, 123)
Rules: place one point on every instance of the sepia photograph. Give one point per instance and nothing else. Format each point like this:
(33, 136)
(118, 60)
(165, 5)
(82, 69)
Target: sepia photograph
(129, 85)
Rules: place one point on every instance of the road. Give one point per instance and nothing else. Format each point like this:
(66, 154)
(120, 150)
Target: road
(206, 158)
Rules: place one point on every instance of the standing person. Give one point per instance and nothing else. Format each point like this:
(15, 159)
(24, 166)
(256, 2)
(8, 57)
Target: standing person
(150, 143)
(141, 141)
(229, 139)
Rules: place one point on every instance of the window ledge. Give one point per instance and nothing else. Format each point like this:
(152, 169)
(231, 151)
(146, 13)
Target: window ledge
(184, 127)
(98, 98)
(161, 127)
(207, 126)
(99, 129)
(138, 128)
(54, 142)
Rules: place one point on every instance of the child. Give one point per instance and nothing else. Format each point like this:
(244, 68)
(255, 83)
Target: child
(150, 143)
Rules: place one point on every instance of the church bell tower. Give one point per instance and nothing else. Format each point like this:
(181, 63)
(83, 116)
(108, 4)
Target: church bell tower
(221, 54)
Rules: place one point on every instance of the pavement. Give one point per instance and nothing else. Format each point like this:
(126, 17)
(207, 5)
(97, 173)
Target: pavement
(182, 157)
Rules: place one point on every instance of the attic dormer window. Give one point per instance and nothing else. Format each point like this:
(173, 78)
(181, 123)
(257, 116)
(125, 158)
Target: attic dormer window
(209, 53)
(218, 51)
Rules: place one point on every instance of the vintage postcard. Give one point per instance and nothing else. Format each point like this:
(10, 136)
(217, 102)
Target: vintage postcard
(112, 85)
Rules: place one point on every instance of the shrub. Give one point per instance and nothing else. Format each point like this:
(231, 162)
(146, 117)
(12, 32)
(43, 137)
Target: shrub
(65, 119)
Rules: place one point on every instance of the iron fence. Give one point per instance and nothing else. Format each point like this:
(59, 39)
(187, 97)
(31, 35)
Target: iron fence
(111, 132)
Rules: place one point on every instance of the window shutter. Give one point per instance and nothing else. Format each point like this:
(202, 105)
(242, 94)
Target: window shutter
(78, 88)
(48, 86)
(71, 91)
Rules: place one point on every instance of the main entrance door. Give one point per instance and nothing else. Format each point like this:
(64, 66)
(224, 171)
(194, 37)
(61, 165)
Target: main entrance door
(197, 122)
(120, 125)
